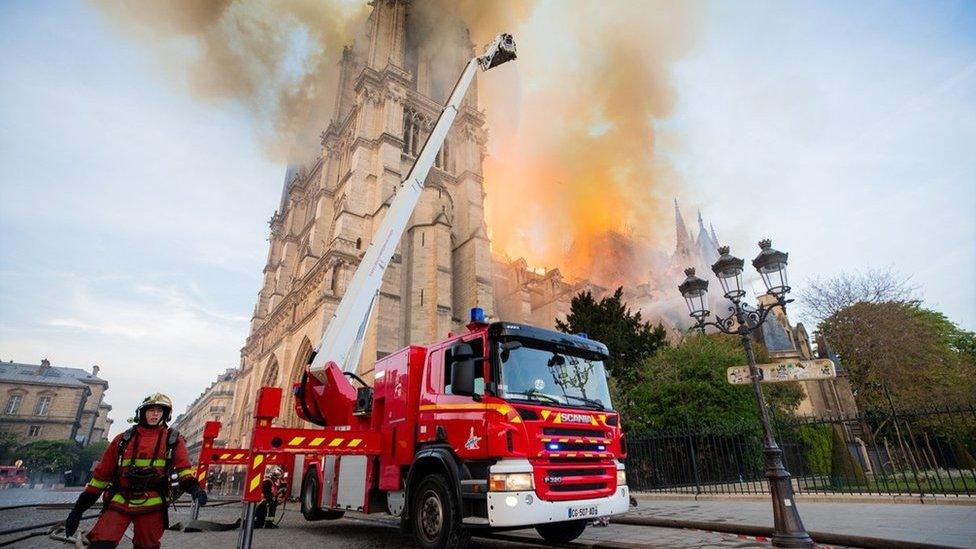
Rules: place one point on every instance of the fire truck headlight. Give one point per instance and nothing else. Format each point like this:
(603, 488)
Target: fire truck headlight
(621, 477)
(510, 482)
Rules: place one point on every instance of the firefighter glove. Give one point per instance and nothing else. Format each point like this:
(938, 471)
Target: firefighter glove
(198, 494)
(85, 501)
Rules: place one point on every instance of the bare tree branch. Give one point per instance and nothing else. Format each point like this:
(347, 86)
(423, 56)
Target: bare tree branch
(825, 296)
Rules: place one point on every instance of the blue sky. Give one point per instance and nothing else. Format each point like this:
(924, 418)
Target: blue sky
(133, 217)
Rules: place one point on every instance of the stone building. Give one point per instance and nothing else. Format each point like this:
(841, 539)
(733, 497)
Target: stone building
(214, 404)
(537, 297)
(45, 402)
(390, 92)
(784, 341)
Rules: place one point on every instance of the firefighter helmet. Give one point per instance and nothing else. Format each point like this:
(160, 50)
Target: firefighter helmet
(156, 399)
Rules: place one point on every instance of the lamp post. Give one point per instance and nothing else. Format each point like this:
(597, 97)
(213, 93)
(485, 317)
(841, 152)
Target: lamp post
(788, 530)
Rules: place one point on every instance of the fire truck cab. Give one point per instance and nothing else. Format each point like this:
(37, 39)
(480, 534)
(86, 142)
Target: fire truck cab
(504, 426)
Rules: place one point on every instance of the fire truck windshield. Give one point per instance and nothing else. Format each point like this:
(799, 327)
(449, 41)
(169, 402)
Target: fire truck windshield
(540, 372)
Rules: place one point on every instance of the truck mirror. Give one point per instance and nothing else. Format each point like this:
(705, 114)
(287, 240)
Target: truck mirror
(462, 377)
(461, 351)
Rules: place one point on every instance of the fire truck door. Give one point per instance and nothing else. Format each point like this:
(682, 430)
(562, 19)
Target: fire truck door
(462, 418)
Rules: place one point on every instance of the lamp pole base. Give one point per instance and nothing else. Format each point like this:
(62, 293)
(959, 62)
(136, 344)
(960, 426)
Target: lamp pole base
(788, 530)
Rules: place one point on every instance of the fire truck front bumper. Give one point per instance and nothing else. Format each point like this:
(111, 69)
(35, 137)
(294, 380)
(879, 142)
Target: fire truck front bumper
(526, 509)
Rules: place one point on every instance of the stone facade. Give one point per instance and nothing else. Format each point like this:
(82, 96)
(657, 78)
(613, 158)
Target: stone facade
(785, 341)
(390, 94)
(214, 404)
(45, 402)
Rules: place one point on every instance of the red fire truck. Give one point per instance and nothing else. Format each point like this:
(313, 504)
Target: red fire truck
(13, 475)
(502, 426)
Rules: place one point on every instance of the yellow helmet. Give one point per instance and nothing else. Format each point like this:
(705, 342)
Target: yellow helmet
(155, 399)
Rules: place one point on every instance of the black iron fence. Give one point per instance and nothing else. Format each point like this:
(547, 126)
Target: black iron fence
(917, 452)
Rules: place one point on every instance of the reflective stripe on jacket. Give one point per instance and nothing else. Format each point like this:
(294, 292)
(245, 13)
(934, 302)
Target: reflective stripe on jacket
(144, 443)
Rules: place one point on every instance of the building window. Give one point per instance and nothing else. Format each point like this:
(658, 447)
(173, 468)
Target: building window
(43, 406)
(13, 405)
(34, 431)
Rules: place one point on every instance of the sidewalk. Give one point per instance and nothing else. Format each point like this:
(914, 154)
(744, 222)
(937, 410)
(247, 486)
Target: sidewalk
(953, 525)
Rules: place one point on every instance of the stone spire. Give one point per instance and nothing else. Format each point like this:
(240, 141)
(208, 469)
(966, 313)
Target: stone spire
(682, 237)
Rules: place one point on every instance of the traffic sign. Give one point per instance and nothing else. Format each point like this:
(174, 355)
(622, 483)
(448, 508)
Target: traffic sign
(789, 370)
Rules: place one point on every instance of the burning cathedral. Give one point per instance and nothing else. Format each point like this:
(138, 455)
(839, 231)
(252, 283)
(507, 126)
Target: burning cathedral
(391, 89)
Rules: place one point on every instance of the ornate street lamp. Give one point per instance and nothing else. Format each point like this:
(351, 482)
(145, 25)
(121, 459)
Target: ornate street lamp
(771, 264)
(788, 530)
(694, 291)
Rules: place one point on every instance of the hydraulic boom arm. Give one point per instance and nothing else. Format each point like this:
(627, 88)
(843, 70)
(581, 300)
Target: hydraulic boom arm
(342, 342)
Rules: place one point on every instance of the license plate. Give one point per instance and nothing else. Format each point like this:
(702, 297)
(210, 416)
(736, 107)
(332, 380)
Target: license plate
(582, 512)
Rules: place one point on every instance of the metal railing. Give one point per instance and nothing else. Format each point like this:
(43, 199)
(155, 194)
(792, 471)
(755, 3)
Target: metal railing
(911, 452)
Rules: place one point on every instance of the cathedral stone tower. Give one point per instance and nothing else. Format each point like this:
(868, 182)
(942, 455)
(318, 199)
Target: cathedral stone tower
(390, 92)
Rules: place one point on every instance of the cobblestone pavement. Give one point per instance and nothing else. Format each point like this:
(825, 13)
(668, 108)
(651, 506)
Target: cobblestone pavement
(355, 531)
(953, 525)
(933, 523)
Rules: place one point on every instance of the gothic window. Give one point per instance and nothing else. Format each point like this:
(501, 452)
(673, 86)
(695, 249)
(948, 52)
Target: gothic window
(421, 298)
(415, 136)
(407, 126)
(271, 375)
(359, 243)
(334, 285)
(34, 431)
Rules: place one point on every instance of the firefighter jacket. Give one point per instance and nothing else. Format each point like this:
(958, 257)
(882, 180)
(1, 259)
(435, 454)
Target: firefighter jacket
(136, 481)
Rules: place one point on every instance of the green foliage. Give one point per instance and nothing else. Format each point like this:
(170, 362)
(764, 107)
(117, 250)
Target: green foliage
(87, 456)
(51, 455)
(844, 468)
(609, 321)
(818, 441)
(964, 460)
(685, 386)
(916, 354)
(9, 443)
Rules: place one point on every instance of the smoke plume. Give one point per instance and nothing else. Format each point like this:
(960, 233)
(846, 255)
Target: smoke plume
(577, 165)
(573, 161)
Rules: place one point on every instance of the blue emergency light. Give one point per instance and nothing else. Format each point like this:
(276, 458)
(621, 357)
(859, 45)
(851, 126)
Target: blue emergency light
(583, 335)
(477, 315)
(554, 446)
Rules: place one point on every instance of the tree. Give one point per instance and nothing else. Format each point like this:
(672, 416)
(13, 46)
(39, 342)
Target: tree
(826, 296)
(844, 468)
(899, 349)
(609, 321)
(88, 455)
(9, 443)
(685, 386)
(53, 456)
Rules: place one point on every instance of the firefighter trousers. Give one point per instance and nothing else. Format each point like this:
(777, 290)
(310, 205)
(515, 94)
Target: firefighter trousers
(147, 529)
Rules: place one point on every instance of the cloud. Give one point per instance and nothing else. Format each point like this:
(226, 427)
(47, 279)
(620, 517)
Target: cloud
(145, 336)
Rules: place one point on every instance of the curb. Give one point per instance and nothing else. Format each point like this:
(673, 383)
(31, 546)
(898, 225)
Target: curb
(809, 498)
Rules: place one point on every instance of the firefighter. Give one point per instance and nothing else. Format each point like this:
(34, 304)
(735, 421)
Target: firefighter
(134, 477)
(273, 490)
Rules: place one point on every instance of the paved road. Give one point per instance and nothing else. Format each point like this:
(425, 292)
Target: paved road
(368, 532)
(356, 531)
(953, 525)
(950, 525)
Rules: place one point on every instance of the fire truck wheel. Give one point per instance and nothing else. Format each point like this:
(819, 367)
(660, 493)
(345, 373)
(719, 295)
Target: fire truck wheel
(434, 515)
(310, 499)
(561, 532)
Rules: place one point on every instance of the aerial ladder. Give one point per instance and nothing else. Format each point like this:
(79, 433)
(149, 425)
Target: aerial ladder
(326, 396)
